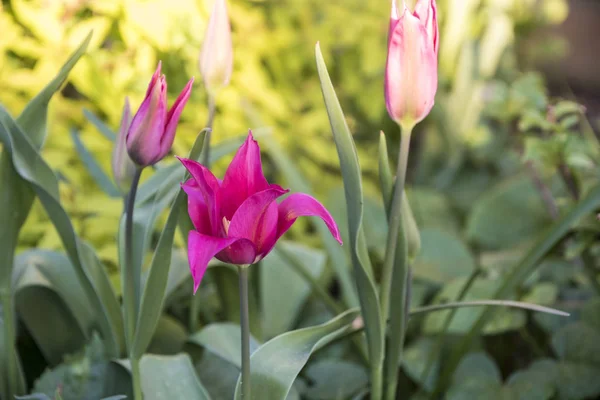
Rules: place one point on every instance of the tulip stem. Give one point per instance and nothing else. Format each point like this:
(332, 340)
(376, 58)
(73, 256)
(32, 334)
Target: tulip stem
(136, 379)
(395, 220)
(245, 327)
(132, 275)
(395, 273)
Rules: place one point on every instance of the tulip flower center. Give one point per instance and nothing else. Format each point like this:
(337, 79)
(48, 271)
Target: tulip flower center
(226, 224)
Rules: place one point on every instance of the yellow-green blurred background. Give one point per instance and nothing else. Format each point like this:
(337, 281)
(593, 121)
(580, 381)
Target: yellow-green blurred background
(274, 82)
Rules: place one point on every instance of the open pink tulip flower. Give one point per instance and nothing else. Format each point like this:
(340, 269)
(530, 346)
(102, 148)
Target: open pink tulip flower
(411, 69)
(238, 220)
(152, 130)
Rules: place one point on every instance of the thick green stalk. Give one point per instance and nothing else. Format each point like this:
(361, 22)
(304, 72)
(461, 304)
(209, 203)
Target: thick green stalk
(136, 379)
(132, 276)
(204, 160)
(394, 225)
(245, 327)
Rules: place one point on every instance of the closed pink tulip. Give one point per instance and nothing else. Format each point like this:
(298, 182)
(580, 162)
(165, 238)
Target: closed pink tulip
(411, 68)
(238, 220)
(152, 130)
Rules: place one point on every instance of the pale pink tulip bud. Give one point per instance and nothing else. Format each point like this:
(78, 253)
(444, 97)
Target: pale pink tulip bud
(122, 167)
(411, 68)
(216, 59)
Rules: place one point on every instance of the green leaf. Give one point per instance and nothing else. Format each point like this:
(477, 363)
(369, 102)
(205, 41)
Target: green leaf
(51, 303)
(367, 292)
(477, 377)
(283, 292)
(101, 126)
(224, 341)
(83, 376)
(277, 363)
(507, 215)
(415, 359)
(103, 180)
(32, 168)
(334, 379)
(170, 377)
(155, 287)
(521, 271)
(34, 396)
(442, 258)
(506, 319)
(34, 117)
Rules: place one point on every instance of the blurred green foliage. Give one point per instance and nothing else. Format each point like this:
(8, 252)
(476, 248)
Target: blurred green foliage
(274, 81)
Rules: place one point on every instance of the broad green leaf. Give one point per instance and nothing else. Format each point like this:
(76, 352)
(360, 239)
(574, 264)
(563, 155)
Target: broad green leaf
(277, 363)
(335, 379)
(32, 168)
(52, 304)
(337, 258)
(506, 215)
(155, 287)
(477, 377)
(224, 341)
(415, 359)
(170, 377)
(520, 272)
(442, 258)
(83, 376)
(351, 175)
(283, 292)
(103, 180)
(169, 337)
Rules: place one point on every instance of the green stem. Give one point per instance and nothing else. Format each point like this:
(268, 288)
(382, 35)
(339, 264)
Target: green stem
(13, 386)
(132, 276)
(136, 379)
(245, 327)
(204, 160)
(394, 224)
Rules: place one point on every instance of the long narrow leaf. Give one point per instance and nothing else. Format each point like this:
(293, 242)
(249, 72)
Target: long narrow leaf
(518, 274)
(101, 126)
(351, 175)
(101, 178)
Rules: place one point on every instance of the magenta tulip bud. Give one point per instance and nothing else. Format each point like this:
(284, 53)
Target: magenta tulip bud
(152, 130)
(411, 68)
(216, 59)
(123, 168)
(238, 220)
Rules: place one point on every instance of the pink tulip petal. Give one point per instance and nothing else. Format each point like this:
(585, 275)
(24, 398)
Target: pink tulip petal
(197, 208)
(426, 11)
(202, 248)
(302, 205)
(173, 117)
(243, 178)
(256, 220)
(241, 252)
(208, 186)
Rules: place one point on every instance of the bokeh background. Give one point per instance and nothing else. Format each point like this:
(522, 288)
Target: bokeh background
(488, 49)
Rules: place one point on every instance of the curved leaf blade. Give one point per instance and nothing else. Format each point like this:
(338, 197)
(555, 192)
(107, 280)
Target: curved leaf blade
(277, 363)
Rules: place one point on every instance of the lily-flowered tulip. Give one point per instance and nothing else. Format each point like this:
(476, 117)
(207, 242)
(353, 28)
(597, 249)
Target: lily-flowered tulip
(411, 68)
(123, 168)
(238, 220)
(152, 130)
(216, 58)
